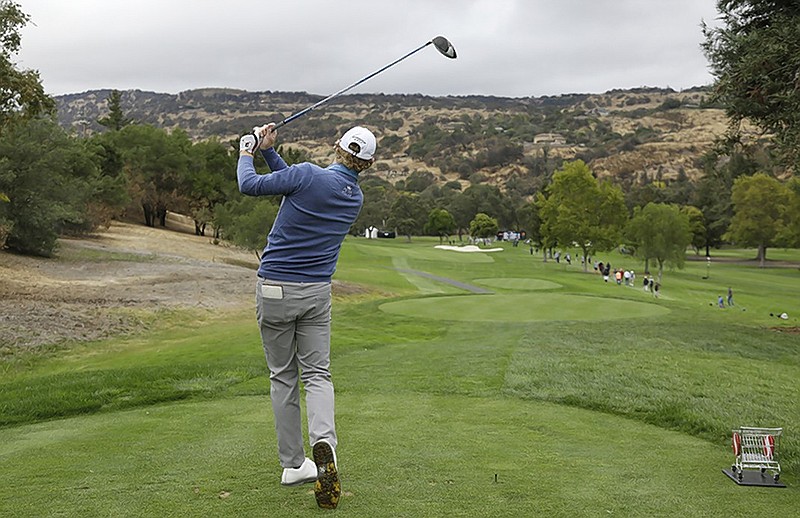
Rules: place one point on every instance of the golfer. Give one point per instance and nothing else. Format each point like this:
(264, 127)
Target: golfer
(293, 293)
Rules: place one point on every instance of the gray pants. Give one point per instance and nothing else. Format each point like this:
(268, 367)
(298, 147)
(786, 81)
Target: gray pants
(295, 323)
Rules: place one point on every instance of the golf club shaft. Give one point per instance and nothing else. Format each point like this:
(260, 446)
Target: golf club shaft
(290, 118)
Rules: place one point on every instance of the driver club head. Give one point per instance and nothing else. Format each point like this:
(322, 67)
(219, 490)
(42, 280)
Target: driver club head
(444, 46)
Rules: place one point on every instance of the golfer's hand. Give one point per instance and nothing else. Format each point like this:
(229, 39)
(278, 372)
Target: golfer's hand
(248, 144)
(268, 135)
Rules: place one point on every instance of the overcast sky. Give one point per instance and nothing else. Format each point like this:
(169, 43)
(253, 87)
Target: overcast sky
(507, 48)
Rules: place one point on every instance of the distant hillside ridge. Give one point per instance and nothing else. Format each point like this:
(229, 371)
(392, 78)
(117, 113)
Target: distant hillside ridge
(650, 133)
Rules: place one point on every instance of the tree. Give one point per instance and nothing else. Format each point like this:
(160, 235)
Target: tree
(406, 215)
(483, 226)
(22, 95)
(49, 183)
(211, 181)
(712, 197)
(792, 235)
(661, 232)
(245, 221)
(696, 227)
(115, 120)
(6, 225)
(53, 184)
(379, 195)
(498, 151)
(515, 210)
(755, 56)
(531, 223)
(418, 181)
(579, 211)
(490, 200)
(21, 92)
(462, 210)
(759, 204)
(156, 163)
(440, 223)
(290, 155)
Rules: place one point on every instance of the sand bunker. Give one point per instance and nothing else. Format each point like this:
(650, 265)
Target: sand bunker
(467, 248)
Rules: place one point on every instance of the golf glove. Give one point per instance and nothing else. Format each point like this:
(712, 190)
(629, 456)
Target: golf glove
(251, 142)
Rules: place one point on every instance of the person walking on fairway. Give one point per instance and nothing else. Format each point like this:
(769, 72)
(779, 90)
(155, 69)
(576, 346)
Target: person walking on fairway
(293, 293)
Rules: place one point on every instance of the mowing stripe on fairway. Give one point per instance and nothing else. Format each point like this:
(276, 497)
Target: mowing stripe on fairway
(425, 283)
(457, 284)
(522, 308)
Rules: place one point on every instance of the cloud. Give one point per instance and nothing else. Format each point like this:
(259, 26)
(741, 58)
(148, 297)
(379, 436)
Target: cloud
(506, 48)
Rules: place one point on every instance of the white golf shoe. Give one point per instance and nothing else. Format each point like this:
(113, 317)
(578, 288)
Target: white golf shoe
(307, 472)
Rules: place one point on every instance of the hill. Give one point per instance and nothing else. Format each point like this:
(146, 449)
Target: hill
(645, 133)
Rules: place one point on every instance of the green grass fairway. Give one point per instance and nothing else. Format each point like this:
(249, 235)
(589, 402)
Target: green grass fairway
(519, 284)
(557, 395)
(522, 308)
(217, 458)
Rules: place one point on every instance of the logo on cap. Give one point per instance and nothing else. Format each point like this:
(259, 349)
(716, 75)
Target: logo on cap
(359, 142)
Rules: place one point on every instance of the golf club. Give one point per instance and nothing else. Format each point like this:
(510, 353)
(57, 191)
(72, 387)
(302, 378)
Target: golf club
(441, 44)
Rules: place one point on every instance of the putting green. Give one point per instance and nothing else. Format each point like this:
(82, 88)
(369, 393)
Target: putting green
(522, 308)
(522, 284)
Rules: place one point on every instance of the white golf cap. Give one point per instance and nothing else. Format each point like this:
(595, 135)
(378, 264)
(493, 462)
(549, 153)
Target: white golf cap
(359, 142)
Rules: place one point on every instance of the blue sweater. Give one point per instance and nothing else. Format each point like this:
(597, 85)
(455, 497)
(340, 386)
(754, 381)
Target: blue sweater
(319, 205)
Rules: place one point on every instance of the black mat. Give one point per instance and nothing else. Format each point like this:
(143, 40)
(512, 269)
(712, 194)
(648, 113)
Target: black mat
(753, 478)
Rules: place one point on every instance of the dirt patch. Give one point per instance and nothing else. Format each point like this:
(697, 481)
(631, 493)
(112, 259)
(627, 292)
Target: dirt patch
(103, 285)
(788, 330)
(114, 283)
